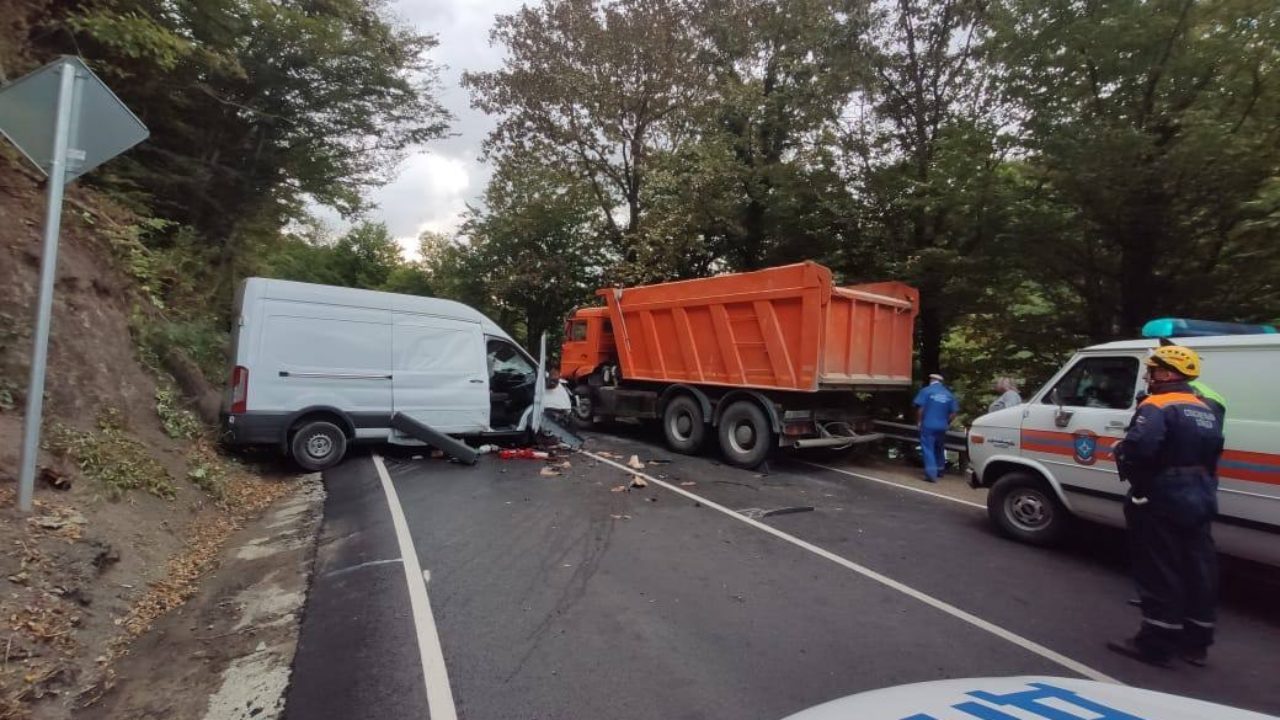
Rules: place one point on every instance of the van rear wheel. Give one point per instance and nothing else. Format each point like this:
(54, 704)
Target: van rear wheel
(318, 445)
(1023, 507)
(683, 425)
(745, 435)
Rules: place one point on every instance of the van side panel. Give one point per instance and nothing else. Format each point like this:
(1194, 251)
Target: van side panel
(1249, 472)
(441, 375)
(321, 355)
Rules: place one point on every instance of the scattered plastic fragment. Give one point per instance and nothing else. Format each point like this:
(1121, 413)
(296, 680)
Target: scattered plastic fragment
(638, 482)
(523, 454)
(635, 463)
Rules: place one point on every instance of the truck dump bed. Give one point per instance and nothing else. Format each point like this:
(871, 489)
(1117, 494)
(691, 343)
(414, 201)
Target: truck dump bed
(785, 328)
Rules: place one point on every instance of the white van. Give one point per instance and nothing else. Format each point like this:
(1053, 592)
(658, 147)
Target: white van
(317, 367)
(1051, 457)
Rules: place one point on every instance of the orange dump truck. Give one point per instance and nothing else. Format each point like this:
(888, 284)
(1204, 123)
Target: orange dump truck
(761, 359)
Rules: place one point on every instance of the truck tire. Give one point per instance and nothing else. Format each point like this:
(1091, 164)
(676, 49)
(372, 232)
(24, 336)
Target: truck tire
(683, 425)
(745, 435)
(318, 445)
(583, 413)
(1022, 506)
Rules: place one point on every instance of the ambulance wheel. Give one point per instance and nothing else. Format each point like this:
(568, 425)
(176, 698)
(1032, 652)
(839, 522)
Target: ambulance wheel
(683, 426)
(745, 435)
(318, 445)
(1023, 507)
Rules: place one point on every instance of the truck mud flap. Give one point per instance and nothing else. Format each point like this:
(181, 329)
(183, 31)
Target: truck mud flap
(455, 449)
(553, 427)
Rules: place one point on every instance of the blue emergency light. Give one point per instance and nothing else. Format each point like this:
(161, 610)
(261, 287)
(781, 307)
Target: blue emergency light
(1181, 327)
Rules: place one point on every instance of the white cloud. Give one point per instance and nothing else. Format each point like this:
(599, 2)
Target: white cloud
(434, 184)
(430, 193)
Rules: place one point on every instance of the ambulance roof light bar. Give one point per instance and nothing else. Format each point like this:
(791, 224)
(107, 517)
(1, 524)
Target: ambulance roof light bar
(1182, 327)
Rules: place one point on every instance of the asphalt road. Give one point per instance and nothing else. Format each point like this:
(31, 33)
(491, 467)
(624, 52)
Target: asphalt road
(557, 597)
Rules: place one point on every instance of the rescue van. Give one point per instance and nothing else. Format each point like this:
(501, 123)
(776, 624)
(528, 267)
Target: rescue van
(316, 368)
(1050, 459)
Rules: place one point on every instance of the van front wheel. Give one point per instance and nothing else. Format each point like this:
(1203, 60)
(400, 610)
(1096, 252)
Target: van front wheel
(1024, 507)
(318, 445)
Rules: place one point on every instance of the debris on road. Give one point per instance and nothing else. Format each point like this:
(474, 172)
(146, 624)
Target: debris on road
(789, 510)
(549, 472)
(619, 488)
(620, 517)
(638, 482)
(454, 448)
(634, 463)
(523, 454)
(688, 483)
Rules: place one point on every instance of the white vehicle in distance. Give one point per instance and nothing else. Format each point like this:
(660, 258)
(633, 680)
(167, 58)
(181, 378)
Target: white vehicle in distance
(316, 368)
(1050, 459)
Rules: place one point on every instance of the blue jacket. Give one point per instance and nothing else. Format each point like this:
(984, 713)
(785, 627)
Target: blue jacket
(1173, 434)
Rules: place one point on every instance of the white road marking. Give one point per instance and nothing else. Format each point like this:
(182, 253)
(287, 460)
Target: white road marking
(974, 620)
(891, 483)
(434, 674)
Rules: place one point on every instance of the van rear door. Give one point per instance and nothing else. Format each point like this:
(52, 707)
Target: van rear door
(1074, 441)
(441, 378)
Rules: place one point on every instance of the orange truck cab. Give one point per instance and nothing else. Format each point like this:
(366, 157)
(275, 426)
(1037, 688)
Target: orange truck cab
(763, 359)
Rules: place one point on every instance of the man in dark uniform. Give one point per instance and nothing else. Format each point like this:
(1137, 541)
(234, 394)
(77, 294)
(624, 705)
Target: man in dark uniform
(1169, 457)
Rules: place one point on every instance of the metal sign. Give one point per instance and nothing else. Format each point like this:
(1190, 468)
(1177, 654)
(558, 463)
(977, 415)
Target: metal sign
(67, 122)
(101, 126)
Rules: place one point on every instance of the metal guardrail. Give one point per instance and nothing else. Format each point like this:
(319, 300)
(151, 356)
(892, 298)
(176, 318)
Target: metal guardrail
(957, 440)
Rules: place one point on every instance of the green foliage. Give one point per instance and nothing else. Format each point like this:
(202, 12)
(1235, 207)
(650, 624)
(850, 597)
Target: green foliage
(111, 456)
(208, 470)
(202, 339)
(178, 422)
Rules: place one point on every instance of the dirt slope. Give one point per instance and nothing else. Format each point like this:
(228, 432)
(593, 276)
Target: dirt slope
(95, 563)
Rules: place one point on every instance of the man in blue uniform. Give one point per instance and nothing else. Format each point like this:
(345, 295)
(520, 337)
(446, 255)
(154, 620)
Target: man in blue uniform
(1169, 457)
(936, 407)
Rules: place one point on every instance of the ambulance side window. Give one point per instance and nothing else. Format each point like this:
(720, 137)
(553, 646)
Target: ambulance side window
(1098, 382)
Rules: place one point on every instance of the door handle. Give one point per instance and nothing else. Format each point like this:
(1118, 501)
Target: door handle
(1116, 425)
(478, 382)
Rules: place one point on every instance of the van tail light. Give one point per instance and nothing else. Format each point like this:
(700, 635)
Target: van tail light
(239, 389)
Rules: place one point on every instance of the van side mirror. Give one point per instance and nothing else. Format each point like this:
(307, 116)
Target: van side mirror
(1062, 417)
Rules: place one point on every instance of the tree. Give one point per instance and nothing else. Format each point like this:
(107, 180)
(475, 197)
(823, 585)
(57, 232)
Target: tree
(538, 240)
(1153, 125)
(256, 109)
(597, 88)
(924, 155)
(781, 72)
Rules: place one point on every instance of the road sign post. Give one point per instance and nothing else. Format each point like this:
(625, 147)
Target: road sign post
(89, 126)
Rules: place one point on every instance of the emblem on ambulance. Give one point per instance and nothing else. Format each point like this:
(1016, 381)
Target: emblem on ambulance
(1085, 444)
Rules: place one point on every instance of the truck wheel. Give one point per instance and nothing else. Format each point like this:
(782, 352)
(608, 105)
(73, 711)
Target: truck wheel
(683, 425)
(583, 409)
(1022, 506)
(745, 436)
(318, 445)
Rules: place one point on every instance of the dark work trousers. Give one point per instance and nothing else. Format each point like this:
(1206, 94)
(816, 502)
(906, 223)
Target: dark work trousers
(1175, 563)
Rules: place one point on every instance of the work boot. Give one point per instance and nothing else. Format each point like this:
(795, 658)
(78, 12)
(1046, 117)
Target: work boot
(1195, 656)
(1131, 649)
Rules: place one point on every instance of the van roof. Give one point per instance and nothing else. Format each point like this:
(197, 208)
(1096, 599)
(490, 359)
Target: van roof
(268, 288)
(1212, 341)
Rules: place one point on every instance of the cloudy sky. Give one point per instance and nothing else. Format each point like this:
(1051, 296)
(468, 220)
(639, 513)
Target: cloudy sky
(435, 185)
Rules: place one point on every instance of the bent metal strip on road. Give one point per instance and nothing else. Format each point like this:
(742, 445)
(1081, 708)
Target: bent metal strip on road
(434, 673)
(1032, 646)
